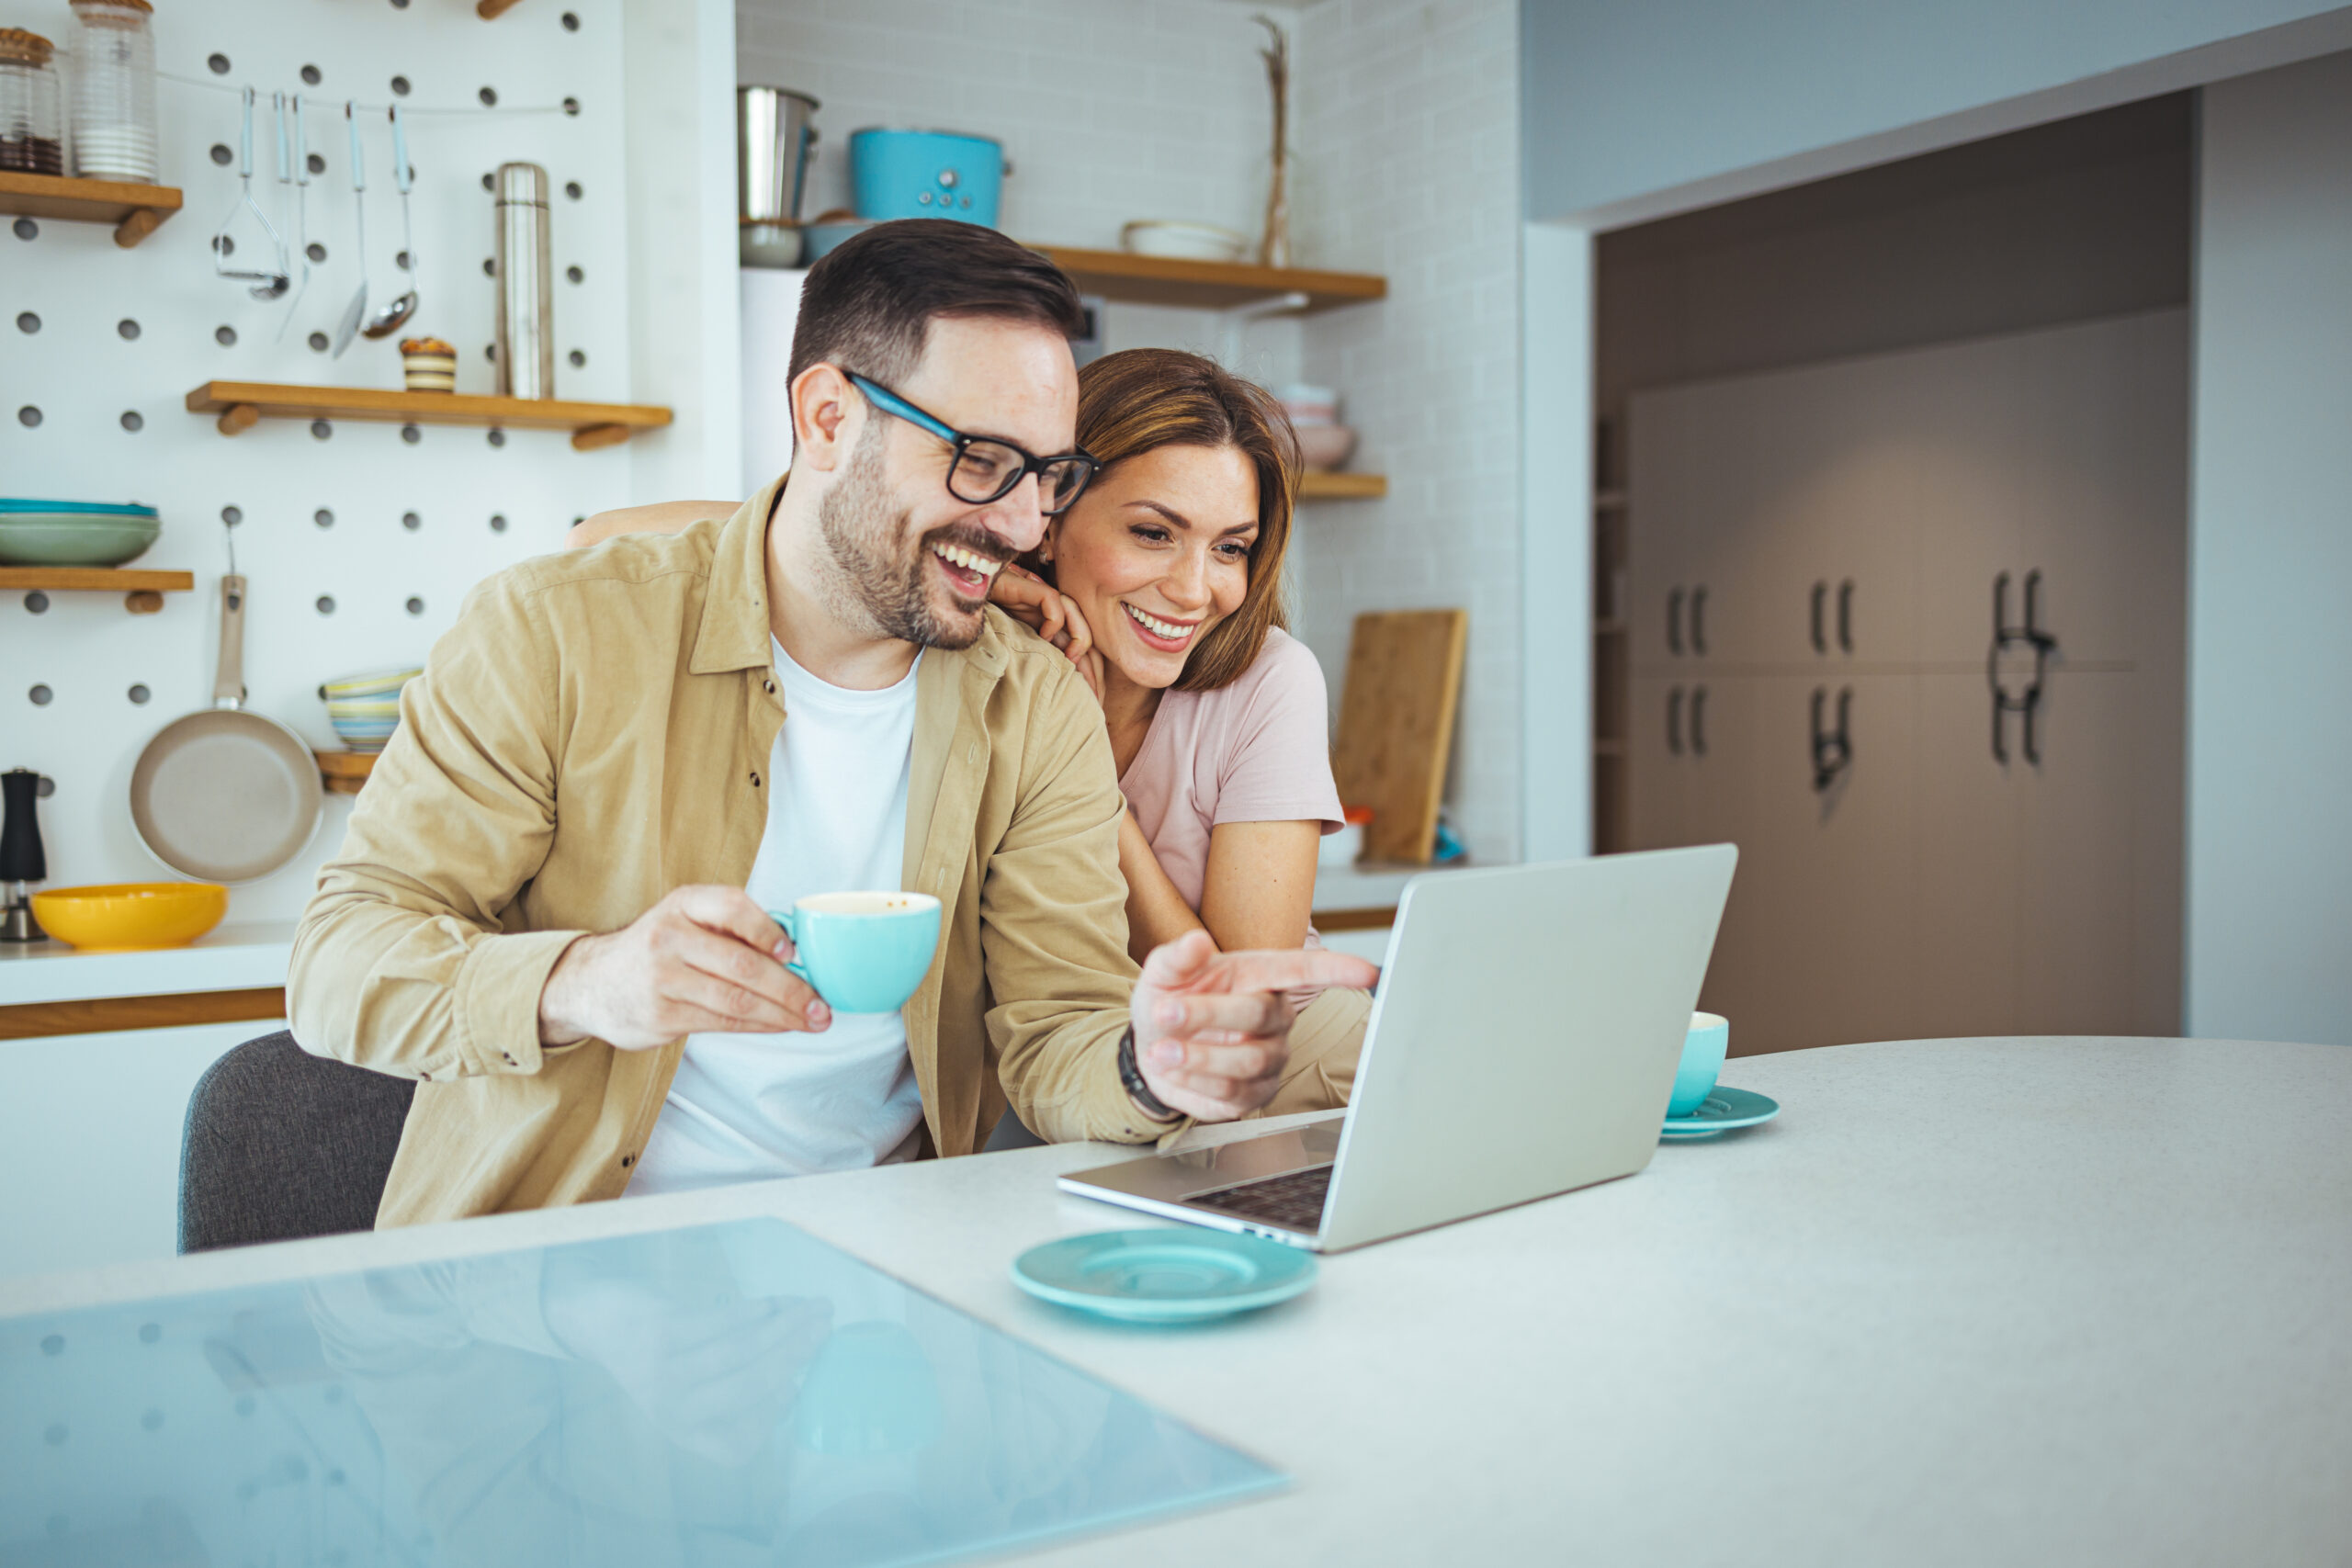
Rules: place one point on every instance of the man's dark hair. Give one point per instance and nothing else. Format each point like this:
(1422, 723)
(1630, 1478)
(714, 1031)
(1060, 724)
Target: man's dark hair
(868, 305)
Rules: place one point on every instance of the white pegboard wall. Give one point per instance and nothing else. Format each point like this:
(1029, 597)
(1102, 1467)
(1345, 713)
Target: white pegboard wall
(84, 370)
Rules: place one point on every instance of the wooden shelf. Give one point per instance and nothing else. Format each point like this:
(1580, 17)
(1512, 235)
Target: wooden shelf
(1216, 285)
(344, 772)
(135, 211)
(240, 405)
(490, 10)
(142, 591)
(1343, 487)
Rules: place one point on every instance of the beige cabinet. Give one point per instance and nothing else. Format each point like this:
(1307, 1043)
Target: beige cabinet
(1909, 866)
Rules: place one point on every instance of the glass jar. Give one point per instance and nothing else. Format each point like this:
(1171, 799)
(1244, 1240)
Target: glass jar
(114, 91)
(33, 130)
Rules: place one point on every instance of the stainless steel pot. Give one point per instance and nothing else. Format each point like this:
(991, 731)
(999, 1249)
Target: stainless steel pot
(773, 135)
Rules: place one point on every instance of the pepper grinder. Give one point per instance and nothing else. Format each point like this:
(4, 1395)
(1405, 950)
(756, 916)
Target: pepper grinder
(21, 859)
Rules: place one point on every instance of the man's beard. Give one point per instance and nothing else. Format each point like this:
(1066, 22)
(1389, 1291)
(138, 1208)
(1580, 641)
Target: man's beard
(880, 577)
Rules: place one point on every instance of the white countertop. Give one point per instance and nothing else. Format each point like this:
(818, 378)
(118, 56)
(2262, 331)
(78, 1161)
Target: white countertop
(1999, 1300)
(226, 958)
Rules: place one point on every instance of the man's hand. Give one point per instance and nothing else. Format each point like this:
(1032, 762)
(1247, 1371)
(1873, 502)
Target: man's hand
(1212, 1029)
(705, 960)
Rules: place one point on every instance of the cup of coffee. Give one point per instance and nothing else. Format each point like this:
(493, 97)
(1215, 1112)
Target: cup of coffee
(863, 952)
(1702, 1057)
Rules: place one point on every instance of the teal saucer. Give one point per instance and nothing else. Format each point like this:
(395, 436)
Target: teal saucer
(1164, 1275)
(1722, 1110)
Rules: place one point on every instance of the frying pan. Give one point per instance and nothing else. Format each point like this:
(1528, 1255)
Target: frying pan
(222, 794)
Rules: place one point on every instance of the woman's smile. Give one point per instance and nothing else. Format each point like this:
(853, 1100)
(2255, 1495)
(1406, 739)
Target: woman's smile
(1158, 631)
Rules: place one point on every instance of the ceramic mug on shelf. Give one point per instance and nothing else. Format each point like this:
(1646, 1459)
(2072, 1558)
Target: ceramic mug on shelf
(863, 952)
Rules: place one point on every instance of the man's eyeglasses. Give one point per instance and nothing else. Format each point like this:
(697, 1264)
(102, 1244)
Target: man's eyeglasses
(985, 469)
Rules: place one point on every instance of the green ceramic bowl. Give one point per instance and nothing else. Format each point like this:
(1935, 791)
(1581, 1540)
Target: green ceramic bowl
(75, 539)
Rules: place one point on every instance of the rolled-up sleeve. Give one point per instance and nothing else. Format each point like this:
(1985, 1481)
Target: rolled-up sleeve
(402, 963)
(1053, 934)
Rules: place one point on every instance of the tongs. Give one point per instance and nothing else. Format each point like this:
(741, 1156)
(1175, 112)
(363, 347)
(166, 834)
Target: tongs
(266, 284)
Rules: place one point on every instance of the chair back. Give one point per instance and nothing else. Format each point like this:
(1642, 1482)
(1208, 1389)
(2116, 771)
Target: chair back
(281, 1144)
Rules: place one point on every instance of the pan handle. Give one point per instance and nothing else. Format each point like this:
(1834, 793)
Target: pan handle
(229, 688)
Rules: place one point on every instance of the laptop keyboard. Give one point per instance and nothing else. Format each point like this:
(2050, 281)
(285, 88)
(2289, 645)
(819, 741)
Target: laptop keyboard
(1292, 1201)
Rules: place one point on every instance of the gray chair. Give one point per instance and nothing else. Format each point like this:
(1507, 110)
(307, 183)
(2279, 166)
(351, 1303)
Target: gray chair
(281, 1144)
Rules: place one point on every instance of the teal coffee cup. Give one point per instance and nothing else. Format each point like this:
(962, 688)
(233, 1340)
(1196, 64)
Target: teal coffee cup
(863, 952)
(1702, 1058)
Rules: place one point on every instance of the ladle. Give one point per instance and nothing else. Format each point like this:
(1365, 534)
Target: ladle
(389, 318)
(348, 328)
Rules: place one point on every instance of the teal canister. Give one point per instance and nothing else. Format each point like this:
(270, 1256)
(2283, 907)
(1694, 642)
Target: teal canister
(926, 174)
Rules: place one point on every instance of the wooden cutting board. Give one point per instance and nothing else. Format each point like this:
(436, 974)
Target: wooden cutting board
(1396, 724)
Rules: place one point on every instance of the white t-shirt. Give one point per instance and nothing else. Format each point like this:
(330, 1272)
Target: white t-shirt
(752, 1107)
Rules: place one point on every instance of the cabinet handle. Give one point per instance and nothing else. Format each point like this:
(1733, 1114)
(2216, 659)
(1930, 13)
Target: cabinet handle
(1699, 722)
(1845, 615)
(1820, 594)
(1674, 621)
(1833, 749)
(1674, 721)
(2027, 703)
(1698, 621)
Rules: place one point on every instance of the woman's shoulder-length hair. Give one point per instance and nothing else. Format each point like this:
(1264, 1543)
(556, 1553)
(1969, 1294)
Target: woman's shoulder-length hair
(1141, 400)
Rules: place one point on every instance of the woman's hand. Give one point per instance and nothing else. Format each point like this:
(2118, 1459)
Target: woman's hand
(1055, 617)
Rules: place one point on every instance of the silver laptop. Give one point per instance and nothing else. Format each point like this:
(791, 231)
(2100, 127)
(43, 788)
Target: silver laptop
(1522, 1042)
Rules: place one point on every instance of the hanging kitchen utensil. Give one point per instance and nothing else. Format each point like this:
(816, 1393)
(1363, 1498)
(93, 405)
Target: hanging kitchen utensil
(222, 795)
(301, 160)
(387, 320)
(266, 284)
(353, 313)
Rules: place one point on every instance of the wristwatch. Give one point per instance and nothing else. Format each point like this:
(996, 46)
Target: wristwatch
(1131, 1079)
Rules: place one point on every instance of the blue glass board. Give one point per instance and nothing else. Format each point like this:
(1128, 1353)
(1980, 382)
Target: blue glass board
(726, 1394)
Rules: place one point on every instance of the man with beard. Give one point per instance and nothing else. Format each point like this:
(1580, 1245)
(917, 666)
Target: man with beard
(550, 907)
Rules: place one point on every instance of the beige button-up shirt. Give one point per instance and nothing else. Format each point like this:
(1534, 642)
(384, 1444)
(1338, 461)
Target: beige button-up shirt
(594, 732)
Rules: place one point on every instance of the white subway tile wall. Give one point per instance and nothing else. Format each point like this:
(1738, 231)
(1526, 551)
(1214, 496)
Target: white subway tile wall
(1407, 127)
(1404, 131)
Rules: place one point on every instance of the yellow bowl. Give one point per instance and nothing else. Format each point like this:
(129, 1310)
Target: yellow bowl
(131, 917)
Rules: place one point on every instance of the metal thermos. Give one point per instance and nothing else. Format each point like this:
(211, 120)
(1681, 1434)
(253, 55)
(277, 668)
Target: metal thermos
(526, 284)
(771, 141)
(21, 859)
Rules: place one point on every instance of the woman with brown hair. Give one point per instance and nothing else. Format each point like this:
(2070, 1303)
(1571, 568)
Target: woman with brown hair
(1164, 582)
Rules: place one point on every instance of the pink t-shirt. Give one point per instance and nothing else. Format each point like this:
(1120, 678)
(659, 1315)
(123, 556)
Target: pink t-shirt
(1252, 752)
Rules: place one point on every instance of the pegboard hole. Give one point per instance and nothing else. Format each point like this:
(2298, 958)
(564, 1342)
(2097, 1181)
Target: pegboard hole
(489, 97)
(574, 275)
(324, 517)
(315, 251)
(218, 64)
(399, 4)
(489, 184)
(400, 260)
(326, 604)
(139, 696)
(490, 266)
(26, 228)
(578, 359)
(317, 162)
(28, 416)
(226, 336)
(224, 244)
(27, 322)
(571, 189)
(571, 21)
(411, 434)
(133, 421)
(232, 515)
(498, 521)
(498, 438)
(311, 75)
(571, 106)
(127, 330)
(489, 351)
(221, 155)
(37, 602)
(40, 696)
(411, 522)
(415, 606)
(321, 429)
(318, 342)
(400, 86)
